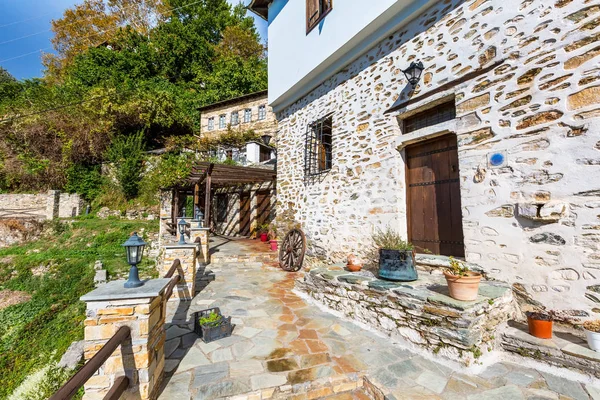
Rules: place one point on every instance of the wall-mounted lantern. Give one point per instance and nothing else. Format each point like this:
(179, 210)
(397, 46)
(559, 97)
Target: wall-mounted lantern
(413, 72)
(134, 247)
(181, 225)
(266, 139)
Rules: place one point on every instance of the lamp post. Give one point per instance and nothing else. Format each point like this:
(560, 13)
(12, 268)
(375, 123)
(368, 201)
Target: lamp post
(181, 225)
(413, 72)
(134, 249)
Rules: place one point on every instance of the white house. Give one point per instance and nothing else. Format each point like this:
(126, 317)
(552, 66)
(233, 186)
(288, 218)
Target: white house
(493, 154)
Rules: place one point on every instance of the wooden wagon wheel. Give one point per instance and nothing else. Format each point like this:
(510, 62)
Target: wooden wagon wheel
(291, 253)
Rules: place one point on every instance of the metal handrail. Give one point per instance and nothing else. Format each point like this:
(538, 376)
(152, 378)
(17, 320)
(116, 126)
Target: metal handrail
(69, 389)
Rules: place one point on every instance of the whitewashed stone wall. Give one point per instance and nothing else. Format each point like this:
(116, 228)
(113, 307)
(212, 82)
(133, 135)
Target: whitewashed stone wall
(533, 222)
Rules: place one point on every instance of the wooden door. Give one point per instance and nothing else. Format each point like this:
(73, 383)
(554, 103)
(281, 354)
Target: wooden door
(263, 207)
(433, 197)
(245, 214)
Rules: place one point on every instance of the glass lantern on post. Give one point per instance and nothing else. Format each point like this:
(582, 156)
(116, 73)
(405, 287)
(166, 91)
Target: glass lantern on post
(181, 225)
(134, 249)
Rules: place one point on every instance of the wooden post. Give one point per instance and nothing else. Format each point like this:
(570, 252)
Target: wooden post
(207, 197)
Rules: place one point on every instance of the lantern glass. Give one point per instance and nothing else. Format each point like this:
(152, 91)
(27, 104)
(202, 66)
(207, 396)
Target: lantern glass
(413, 72)
(182, 224)
(266, 139)
(134, 247)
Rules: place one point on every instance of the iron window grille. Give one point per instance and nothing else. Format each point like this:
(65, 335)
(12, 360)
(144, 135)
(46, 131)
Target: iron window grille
(433, 116)
(247, 115)
(211, 123)
(262, 112)
(222, 121)
(318, 156)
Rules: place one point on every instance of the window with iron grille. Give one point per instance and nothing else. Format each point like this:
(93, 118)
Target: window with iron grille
(235, 118)
(433, 116)
(247, 115)
(211, 123)
(222, 122)
(221, 207)
(316, 10)
(262, 112)
(318, 157)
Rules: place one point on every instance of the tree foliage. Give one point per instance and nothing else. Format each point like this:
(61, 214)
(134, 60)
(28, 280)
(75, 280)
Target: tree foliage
(123, 67)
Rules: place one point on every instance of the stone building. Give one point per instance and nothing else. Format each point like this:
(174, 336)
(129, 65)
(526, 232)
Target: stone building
(493, 155)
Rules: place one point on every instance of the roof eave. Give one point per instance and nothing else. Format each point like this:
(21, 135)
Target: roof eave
(260, 8)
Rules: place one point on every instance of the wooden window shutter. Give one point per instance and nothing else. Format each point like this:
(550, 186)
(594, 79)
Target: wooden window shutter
(312, 13)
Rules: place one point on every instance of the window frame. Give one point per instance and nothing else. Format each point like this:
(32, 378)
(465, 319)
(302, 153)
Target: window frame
(247, 112)
(262, 115)
(235, 121)
(223, 118)
(321, 15)
(316, 151)
(211, 124)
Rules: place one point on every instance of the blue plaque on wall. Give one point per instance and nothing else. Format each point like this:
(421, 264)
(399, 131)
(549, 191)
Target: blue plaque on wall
(496, 159)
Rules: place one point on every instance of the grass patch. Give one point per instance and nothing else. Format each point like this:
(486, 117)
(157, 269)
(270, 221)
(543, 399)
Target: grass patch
(36, 333)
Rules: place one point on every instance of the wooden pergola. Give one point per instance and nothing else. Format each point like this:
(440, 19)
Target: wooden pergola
(221, 175)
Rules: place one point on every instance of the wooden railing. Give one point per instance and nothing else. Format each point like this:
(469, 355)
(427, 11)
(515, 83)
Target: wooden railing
(69, 389)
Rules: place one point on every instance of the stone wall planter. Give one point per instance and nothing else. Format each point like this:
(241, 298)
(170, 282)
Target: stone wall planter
(464, 288)
(397, 265)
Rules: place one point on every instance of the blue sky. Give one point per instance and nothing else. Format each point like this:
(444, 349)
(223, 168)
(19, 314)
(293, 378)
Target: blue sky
(19, 18)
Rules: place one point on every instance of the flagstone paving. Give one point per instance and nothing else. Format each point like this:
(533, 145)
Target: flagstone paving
(282, 343)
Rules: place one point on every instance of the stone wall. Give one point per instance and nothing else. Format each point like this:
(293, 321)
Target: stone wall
(52, 204)
(526, 82)
(420, 312)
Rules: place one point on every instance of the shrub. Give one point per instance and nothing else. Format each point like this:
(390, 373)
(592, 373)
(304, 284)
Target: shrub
(391, 240)
(85, 180)
(127, 154)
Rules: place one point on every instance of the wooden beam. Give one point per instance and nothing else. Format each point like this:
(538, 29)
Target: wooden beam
(207, 197)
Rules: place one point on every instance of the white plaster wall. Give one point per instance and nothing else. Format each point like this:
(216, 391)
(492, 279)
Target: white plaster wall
(299, 61)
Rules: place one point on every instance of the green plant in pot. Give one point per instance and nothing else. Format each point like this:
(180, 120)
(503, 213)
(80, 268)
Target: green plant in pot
(396, 256)
(211, 320)
(463, 284)
(592, 334)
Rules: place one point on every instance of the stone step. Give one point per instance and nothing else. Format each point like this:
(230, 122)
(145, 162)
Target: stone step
(245, 258)
(567, 348)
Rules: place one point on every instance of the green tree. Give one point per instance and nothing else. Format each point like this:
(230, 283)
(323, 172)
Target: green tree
(127, 155)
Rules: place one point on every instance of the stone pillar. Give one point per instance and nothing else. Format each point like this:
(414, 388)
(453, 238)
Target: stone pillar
(166, 205)
(52, 204)
(141, 358)
(187, 254)
(203, 234)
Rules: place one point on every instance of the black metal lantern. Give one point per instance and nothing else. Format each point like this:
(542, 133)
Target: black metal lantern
(134, 249)
(413, 72)
(266, 139)
(200, 218)
(181, 225)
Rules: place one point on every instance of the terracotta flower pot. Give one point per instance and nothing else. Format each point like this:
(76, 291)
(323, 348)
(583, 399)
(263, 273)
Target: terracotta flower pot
(273, 243)
(464, 288)
(540, 328)
(264, 237)
(354, 267)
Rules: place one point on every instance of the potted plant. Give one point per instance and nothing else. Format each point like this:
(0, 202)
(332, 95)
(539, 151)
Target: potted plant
(592, 334)
(263, 232)
(210, 325)
(463, 284)
(353, 264)
(540, 324)
(273, 238)
(396, 256)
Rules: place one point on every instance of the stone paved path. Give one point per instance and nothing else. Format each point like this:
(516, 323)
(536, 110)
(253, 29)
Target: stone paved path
(282, 342)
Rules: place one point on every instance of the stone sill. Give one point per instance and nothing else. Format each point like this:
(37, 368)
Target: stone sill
(566, 349)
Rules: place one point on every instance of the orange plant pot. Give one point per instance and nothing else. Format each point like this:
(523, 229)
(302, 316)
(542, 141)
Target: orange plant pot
(354, 267)
(464, 288)
(540, 328)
